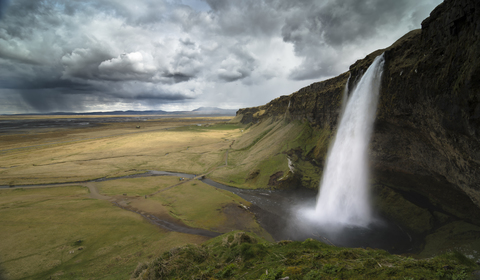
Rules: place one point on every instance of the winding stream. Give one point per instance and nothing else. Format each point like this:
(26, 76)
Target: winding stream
(274, 210)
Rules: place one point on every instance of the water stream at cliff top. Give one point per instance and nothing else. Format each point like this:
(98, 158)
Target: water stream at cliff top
(343, 199)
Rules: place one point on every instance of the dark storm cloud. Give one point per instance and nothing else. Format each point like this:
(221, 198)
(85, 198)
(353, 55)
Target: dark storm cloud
(321, 33)
(3, 5)
(41, 100)
(161, 97)
(84, 63)
(44, 84)
(60, 99)
(178, 77)
(85, 54)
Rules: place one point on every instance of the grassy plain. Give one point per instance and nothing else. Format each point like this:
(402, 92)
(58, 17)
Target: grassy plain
(111, 150)
(214, 209)
(63, 233)
(192, 203)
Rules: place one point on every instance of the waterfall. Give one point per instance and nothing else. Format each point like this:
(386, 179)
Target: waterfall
(345, 96)
(343, 198)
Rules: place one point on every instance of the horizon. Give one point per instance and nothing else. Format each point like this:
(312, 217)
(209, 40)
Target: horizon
(122, 111)
(178, 55)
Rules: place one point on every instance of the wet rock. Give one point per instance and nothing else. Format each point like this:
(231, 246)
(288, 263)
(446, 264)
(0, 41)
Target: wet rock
(274, 178)
(476, 275)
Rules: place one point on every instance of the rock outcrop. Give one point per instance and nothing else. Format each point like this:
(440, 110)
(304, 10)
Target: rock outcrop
(426, 143)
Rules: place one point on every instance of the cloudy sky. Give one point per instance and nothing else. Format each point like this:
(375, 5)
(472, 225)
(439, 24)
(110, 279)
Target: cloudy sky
(105, 55)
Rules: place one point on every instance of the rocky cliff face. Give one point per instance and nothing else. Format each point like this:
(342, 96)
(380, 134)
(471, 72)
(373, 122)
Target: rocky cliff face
(426, 144)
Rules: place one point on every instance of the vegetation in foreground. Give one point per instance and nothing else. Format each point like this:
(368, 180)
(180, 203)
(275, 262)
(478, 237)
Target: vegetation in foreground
(60, 233)
(240, 255)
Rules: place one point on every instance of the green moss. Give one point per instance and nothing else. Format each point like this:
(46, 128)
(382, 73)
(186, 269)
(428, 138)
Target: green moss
(406, 213)
(462, 236)
(310, 139)
(271, 166)
(240, 255)
(309, 174)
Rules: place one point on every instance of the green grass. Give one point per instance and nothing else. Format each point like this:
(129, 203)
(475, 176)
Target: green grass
(271, 166)
(256, 149)
(256, 140)
(60, 233)
(264, 147)
(202, 206)
(310, 140)
(239, 255)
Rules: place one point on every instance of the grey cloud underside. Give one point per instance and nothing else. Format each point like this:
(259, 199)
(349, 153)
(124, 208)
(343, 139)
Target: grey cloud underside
(178, 77)
(3, 4)
(45, 84)
(113, 51)
(47, 100)
(322, 34)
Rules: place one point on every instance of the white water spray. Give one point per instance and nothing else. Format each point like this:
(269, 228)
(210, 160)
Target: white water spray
(343, 198)
(345, 96)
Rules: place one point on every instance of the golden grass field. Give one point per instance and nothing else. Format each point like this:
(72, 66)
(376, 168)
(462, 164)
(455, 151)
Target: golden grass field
(112, 150)
(41, 227)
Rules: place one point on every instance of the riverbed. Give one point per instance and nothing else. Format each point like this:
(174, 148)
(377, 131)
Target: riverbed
(276, 211)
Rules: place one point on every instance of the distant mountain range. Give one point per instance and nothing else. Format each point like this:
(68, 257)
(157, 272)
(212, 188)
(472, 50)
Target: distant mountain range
(198, 111)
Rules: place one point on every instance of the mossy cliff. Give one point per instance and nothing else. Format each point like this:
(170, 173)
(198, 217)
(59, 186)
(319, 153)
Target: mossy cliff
(425, 151)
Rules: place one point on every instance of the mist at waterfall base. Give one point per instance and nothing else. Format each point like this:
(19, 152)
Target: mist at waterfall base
(342, 213)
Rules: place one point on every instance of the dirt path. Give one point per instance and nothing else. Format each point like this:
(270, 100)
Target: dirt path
(95, 194)
(123, 203)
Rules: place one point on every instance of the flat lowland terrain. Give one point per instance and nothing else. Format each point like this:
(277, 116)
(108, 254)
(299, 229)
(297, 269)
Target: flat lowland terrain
(86, 229)
(64, 234)
(54, 155)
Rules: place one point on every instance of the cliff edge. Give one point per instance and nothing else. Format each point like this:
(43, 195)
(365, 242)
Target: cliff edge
(426, 144)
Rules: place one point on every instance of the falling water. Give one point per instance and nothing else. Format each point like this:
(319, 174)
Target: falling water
(345, 96)
(343, 198)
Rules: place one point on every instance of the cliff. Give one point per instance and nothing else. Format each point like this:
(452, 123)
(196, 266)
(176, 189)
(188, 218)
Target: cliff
(426, 144)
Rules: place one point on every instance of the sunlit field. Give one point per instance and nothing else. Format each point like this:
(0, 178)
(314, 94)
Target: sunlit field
(86, 229)
(111, 150)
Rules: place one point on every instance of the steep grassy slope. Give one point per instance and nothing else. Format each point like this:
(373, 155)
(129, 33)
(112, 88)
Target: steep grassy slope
(276, 154)
(240, 255)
